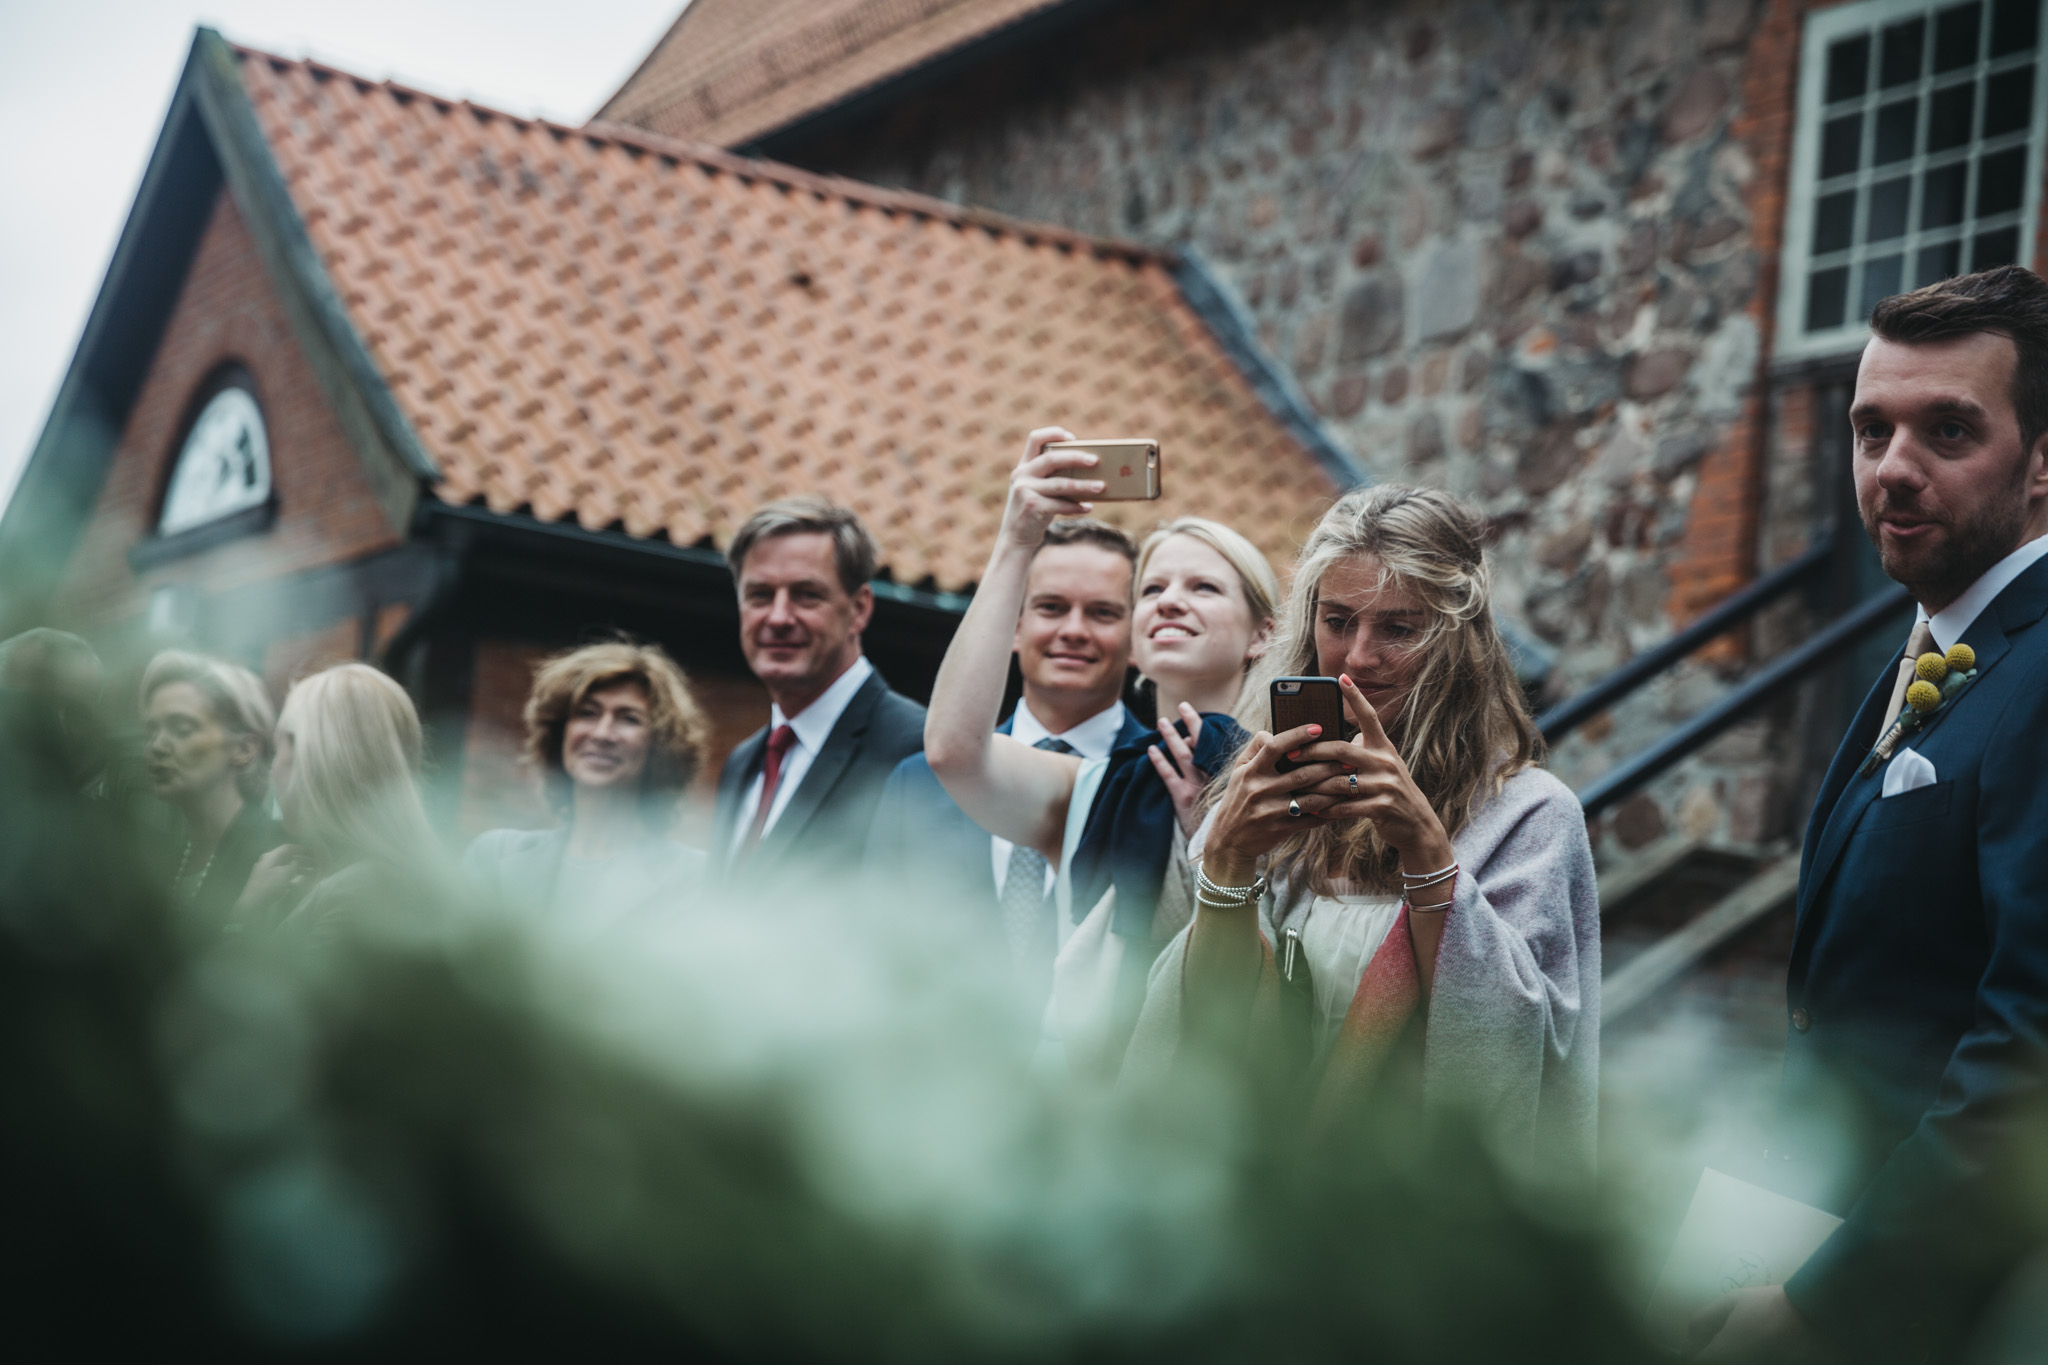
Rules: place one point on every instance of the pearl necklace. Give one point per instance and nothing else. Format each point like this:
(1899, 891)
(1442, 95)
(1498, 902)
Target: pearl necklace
(197, 882)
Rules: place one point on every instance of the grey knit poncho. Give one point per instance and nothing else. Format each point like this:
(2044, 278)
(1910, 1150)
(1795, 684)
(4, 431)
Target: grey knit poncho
(1512, 1030)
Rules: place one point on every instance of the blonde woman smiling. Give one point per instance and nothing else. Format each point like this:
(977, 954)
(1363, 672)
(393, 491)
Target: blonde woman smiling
(1113, 827)
(1420, 890)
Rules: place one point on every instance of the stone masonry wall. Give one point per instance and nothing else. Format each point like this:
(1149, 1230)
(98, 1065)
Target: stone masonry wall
(1524, 251)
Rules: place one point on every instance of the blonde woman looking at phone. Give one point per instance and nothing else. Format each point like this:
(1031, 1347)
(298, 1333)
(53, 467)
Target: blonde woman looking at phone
(1418, 896)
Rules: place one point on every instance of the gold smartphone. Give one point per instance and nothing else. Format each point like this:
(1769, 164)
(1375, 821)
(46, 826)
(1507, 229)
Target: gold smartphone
(1129, 468)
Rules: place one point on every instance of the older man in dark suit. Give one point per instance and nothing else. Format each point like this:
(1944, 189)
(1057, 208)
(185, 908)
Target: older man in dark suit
(799, 793)
(1918, 994)
(1073, 649)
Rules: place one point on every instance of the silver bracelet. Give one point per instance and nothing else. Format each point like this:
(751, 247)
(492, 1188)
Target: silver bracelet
(1429, 876)
(1437, 880)
(1436, 909)
(1227, 895)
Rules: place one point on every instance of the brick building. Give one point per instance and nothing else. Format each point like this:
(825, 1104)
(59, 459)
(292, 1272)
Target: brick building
(378, 374)
(1598, 266)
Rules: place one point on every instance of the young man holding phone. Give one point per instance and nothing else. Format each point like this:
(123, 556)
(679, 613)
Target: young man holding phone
(1073, 647)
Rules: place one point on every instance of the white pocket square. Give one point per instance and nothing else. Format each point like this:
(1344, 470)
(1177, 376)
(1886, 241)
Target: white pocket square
(1909, 770)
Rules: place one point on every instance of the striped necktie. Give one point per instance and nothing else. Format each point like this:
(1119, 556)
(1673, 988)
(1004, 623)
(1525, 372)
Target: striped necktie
(1027, 910)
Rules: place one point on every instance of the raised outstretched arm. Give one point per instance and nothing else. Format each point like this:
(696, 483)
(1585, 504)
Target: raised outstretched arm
(1007, 788)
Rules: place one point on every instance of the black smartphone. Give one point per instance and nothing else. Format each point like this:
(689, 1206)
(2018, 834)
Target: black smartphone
(1306, 701)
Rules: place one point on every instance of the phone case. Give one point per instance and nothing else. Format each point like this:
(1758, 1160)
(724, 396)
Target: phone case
(1129, 468)
(1316, 701)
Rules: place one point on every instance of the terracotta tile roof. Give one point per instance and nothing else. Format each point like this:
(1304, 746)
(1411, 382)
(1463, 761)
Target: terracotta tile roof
(729, 71)
(653, 337)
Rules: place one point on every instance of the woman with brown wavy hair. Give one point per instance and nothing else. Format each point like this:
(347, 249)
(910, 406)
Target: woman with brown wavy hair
(1417, 890)
(617, 738)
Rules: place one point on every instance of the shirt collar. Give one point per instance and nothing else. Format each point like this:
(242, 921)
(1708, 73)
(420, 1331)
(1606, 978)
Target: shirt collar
(1950, 623)
(1092, 738)
(813, 724)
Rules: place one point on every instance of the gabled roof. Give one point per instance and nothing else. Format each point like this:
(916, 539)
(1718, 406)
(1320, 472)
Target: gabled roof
(730, 71)
(648, 339)
(641, 334)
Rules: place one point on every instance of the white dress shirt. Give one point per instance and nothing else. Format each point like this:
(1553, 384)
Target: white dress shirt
(1949, 624)
(1092, 738)
(813, 726)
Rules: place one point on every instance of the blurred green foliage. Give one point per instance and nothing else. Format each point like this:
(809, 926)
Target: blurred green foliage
(754, 1132)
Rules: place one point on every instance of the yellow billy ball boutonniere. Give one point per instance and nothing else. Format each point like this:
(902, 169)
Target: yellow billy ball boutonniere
(1937, 679)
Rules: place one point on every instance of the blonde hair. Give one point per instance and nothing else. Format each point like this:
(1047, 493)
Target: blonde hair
(676, 724)
(1255, 576)
(1254, 573)
(356, 747)
(237, 698)
(1464, 727)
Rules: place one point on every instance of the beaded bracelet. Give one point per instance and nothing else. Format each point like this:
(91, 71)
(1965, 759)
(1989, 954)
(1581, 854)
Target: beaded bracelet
(1227, 895)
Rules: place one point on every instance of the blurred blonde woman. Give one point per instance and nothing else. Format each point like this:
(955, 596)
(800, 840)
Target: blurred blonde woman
(1419, 896)
(347, 781)
(1114, 828)
(617, 738)
(208, 744)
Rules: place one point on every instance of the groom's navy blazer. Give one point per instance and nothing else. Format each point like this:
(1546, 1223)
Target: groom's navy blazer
(1918, 997)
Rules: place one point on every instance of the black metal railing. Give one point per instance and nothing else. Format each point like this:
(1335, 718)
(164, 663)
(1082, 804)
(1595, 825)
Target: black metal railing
(1561, 719)
(1755, 692)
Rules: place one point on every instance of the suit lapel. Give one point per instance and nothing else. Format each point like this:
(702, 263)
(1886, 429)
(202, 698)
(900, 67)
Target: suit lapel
(732, 786)
(2020, 605)
(1833, 815)
(825, 769)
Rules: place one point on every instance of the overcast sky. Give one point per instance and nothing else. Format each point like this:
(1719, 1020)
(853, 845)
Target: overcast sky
(84, 85)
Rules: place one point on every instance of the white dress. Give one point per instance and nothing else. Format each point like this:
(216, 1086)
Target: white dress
(1336, 938)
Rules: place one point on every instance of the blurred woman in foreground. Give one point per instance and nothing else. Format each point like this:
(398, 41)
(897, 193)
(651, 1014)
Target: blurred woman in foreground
(1418, 894)
(208, 746)
(347, 780)
(1115, 828)
(617, 738)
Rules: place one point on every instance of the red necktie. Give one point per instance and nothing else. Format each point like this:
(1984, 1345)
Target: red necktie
(780, 741)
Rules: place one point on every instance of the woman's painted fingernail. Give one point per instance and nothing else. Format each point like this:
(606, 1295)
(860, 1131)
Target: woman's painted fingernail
(1344, 678)
(1315, 729)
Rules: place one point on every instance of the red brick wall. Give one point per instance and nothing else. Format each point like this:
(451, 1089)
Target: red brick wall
(299, 656)
(499, 792)
(1720, 550)
(228, 310)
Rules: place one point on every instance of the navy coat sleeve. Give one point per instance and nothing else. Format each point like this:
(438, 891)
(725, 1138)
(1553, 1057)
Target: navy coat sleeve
(1932, 1231)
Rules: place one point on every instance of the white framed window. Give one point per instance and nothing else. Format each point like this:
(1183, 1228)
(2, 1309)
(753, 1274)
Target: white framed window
(1917, 155)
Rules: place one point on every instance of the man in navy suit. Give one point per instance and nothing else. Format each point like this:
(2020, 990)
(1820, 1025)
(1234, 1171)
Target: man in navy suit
(1918, 990)
(1073, 646)
(797, 794)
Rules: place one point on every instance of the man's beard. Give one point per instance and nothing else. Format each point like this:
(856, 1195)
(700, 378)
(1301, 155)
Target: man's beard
(1970, 547)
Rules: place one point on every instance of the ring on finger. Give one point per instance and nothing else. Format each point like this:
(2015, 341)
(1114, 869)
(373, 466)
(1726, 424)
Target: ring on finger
(1294, 807)
(1353, 777)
